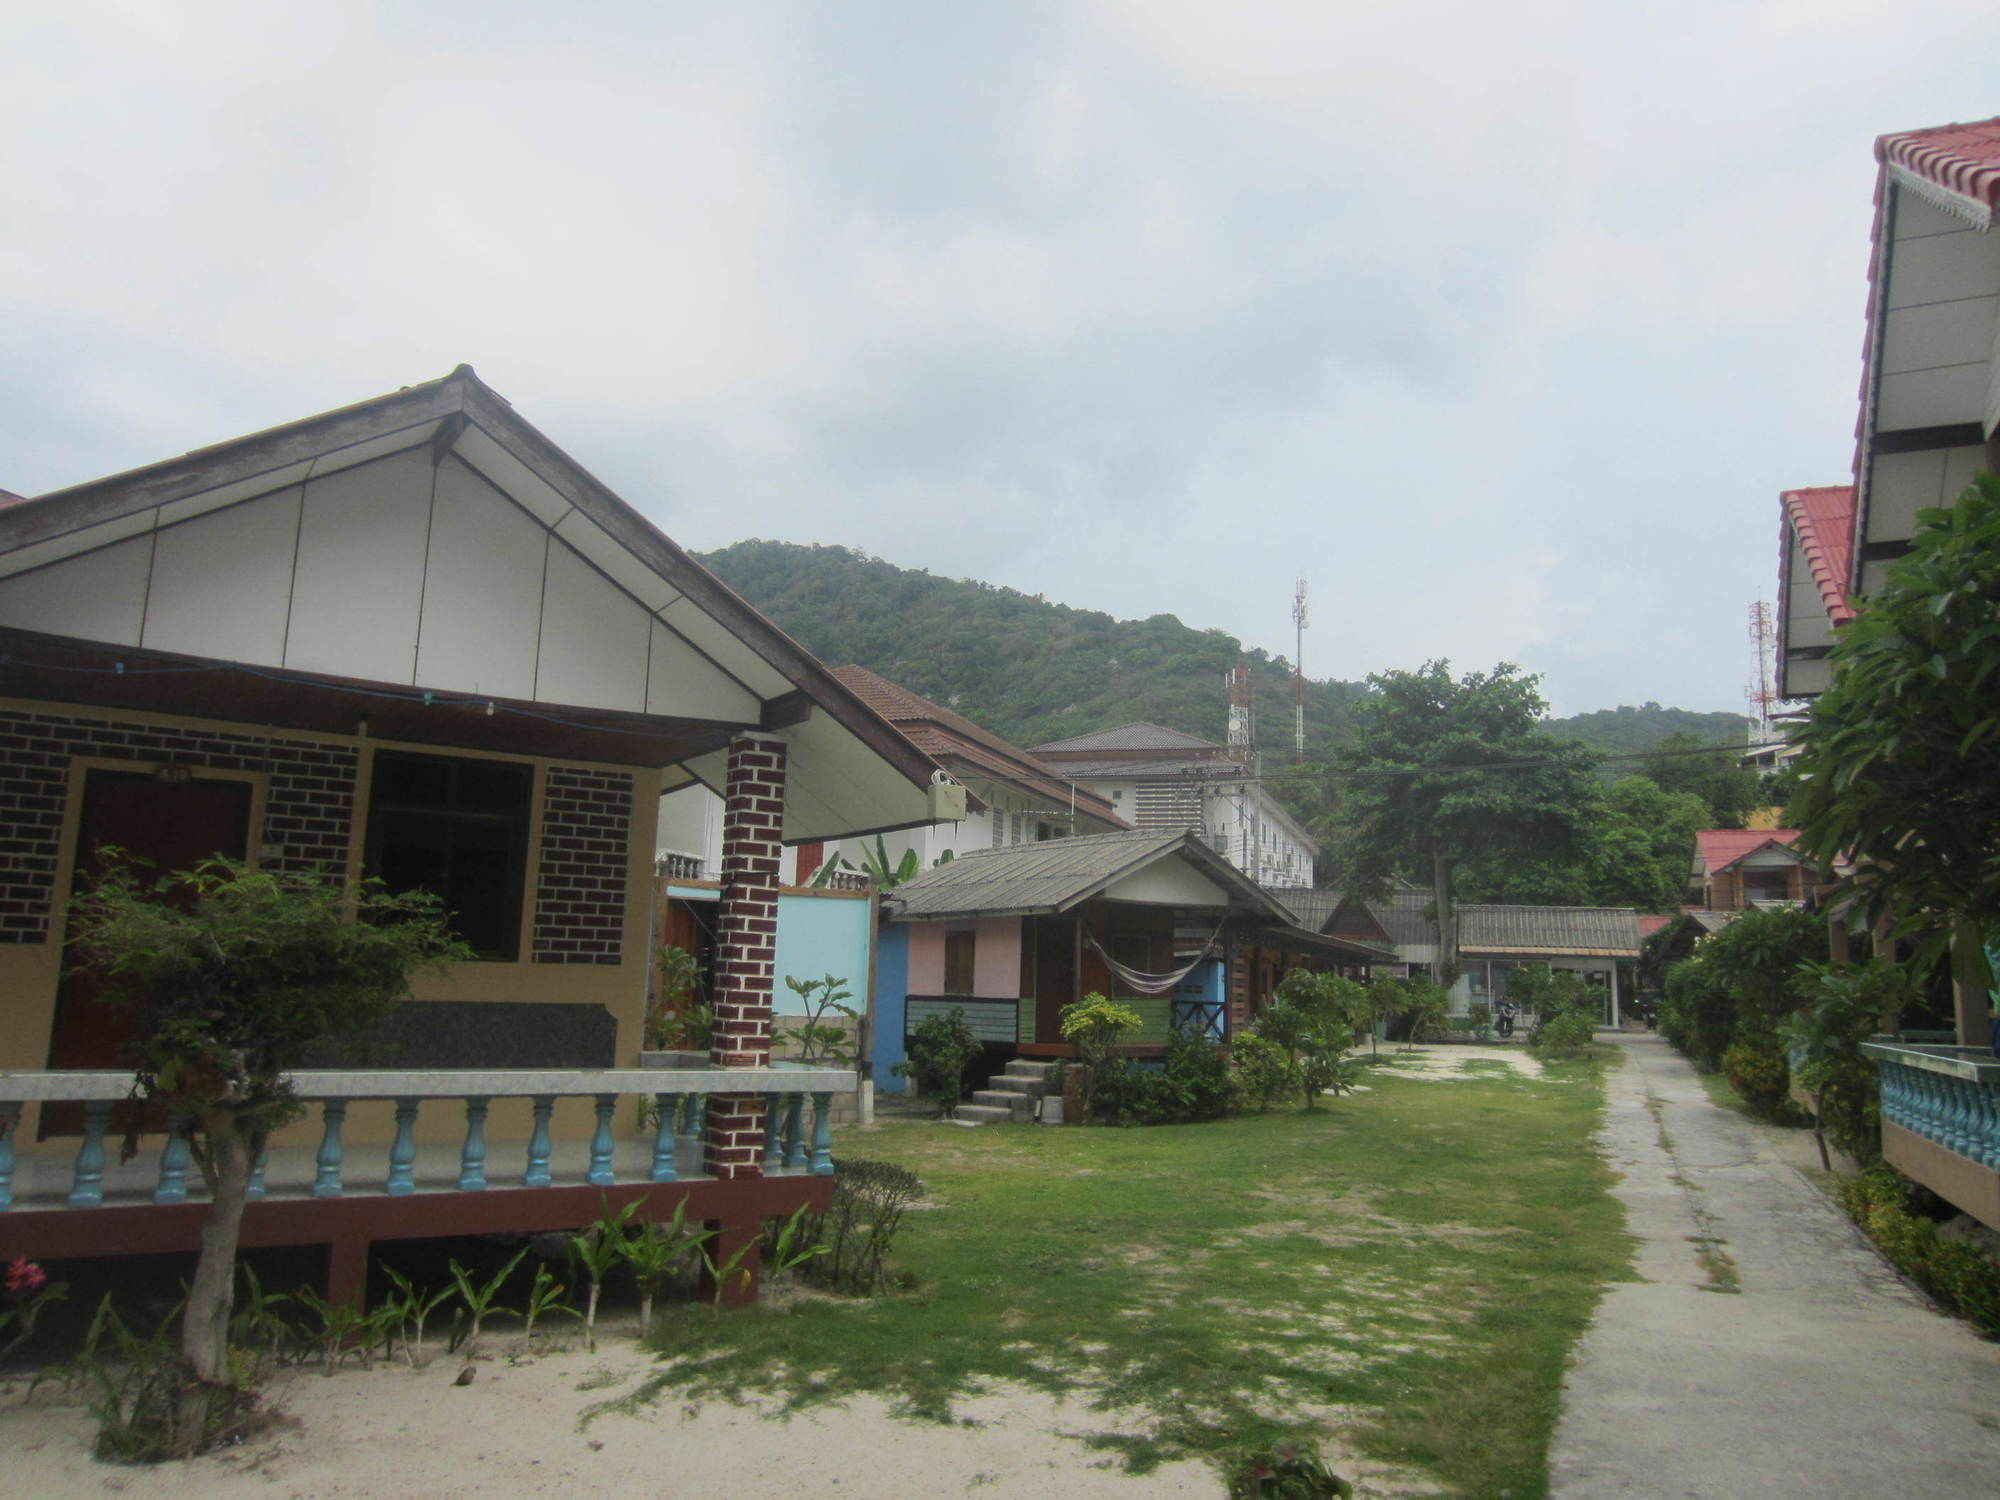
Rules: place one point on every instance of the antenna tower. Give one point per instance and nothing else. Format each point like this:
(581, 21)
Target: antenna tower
(1759, 694)
(1299, 670)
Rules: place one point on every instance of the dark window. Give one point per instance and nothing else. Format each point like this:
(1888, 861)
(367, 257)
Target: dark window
(1135, 951)
(459, 829)
(958, 951)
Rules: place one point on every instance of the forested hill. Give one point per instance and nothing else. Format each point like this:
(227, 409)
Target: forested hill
(1028, 670)
(1626, 730)
(1032, 671)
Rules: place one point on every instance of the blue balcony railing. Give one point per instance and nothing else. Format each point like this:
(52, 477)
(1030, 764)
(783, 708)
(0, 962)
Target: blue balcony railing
(1948, 1095)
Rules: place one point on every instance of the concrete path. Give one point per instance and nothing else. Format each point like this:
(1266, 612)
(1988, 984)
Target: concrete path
(1824, 1374)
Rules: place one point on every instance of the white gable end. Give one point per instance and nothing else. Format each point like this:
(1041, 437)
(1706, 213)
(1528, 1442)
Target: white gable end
(398, 570)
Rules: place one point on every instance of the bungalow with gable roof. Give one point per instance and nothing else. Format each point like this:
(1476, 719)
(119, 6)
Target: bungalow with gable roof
(1928, 424)
(413, 639)
(1737, 868)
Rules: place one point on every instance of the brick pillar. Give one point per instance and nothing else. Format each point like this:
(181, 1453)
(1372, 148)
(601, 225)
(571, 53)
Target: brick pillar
(753, 810)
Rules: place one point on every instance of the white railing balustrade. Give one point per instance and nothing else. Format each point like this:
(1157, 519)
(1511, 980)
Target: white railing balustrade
(671, 1102)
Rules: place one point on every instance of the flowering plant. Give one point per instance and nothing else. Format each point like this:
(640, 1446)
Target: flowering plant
(28, 1287)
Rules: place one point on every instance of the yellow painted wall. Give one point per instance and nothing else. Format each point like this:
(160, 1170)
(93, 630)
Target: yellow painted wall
(29, 972)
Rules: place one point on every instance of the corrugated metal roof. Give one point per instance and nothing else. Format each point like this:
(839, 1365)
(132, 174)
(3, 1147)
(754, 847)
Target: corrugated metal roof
(1592, 931)
(1131, 737)
(1311, 907)
(1050, 876)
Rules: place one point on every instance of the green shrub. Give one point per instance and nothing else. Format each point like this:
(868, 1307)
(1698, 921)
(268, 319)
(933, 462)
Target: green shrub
(1964, 1278)
(940, 1049)
(1260, 1072)
(1566, 1034)
(1193, 1085)
(1757, 1071)
(847, 1247)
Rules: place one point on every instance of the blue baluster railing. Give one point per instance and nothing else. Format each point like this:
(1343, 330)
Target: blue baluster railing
(795, 1138)
(537, 1174)
(87, 1178)
(326, 1180)
(10, 1120)
(257, 1169)
(601, 1143)
(403, 1150)
(175, 1159)
(822, 1146)
(472, 1155)
(795, 1134)
(666, 1140)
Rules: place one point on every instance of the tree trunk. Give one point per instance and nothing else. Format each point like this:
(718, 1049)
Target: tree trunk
(227, 1159)
(1447, 920)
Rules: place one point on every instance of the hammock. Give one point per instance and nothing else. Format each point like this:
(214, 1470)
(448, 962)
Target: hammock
(1153, 984)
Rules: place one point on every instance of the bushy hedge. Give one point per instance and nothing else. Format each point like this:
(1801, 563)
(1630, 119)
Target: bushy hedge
(1964, 1278)
(1723, 1003)
(1194, 1085)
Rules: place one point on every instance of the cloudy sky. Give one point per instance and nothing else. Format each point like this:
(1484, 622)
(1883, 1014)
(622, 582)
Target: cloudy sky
(1503, 324)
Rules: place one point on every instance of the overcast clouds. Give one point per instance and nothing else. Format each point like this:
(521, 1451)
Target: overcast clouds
(1505, 324)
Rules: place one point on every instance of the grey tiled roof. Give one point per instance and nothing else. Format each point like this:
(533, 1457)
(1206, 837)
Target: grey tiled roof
(1132, 737)
(1598, 931)
(1049, 876)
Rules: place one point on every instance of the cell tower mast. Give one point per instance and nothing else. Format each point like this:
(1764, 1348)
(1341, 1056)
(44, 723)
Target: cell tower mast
(1759, 694)
(1299, 670)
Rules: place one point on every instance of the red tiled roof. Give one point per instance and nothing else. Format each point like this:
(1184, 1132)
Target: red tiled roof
(942, 735)
(1824, 519)
(1719, 848)
(1648, 925)
(1961, 159)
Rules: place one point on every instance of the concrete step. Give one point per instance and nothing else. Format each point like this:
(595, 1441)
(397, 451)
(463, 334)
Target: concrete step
(982, 1114)
(1022, 1067)
(1018, 1106)
(1014, 1084)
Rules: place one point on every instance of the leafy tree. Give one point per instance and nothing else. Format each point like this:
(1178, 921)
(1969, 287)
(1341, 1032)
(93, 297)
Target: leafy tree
(1444, 771)
(1901, 763)
(1685, 762)
(1844, 1005)
(236, 974)
(1310, 1019)
(1633, 844)
(1739, 984)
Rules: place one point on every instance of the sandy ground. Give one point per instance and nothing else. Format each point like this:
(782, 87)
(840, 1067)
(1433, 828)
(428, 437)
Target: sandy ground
(1444, 1061)
(519, 1429)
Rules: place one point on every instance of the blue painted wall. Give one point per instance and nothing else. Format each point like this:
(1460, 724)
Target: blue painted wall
(892, 993)
(817, 936)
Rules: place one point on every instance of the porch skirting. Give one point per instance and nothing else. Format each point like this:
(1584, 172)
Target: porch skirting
(1957, 1179)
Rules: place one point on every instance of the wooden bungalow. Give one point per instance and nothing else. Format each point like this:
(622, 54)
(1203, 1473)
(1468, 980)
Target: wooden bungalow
(1012, 935)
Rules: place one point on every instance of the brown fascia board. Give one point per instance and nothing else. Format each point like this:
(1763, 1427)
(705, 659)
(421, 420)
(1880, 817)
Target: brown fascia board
(465, 393)
(98, 500)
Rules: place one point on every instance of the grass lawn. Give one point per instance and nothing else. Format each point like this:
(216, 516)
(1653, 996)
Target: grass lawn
(1401, 1273)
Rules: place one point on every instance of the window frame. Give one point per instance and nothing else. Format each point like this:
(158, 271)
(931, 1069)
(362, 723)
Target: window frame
(519, 824)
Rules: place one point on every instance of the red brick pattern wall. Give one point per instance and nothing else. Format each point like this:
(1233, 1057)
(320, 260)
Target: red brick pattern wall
(746, 944)
(308, 805)
(580, 888)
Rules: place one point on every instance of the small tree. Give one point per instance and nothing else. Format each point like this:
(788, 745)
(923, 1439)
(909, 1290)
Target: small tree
(821, 1039)
(1901, 762)
(1309, 1019)
(1844, 1005)
(940, 1048)
(236, 975)
(678, 1016)
(1095, 1025)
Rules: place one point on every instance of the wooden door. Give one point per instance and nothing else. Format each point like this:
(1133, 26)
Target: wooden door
(1055, 974)
(171, 824)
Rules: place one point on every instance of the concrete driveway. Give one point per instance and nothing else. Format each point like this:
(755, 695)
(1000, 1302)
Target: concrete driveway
(1820, 1373)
